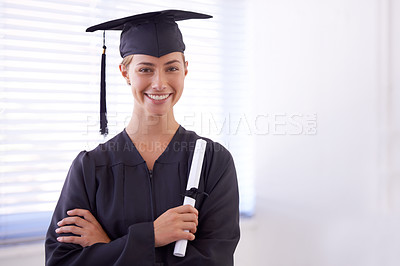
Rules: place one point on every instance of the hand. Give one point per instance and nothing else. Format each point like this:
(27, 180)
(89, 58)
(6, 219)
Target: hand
(171, 225)
(89, 231)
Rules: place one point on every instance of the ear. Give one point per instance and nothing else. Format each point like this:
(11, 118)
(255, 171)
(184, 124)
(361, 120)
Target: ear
(124, 70)
(124, 73)
(186, 67)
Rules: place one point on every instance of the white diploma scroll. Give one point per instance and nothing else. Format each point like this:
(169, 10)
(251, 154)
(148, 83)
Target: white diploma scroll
(193, 182)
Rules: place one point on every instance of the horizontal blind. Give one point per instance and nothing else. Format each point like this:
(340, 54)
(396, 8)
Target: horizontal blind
(49, 83)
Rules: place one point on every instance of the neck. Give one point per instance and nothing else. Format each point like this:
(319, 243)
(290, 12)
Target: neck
(152, 127)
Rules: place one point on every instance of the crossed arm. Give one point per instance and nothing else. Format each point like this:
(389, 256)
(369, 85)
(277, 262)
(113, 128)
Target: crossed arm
(168, 227)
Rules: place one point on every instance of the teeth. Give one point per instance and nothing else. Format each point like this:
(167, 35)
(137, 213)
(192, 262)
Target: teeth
(158, 97)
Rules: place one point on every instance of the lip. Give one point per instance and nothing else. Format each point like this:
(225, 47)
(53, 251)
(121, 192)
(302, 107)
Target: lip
(158, 101)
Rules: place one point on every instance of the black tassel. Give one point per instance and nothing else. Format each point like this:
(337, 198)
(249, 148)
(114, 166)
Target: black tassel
(103, 108)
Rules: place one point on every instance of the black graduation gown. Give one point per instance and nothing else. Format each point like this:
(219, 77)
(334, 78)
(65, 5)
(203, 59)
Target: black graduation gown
(114, 184)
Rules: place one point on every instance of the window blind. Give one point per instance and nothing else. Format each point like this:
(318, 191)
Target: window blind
(49, 94)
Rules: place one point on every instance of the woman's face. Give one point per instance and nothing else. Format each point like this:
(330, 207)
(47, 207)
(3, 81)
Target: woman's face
(156, 83)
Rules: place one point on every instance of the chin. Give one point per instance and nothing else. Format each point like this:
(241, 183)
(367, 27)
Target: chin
(157, 113)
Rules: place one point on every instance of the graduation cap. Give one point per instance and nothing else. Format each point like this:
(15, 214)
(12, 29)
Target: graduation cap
(153, 33)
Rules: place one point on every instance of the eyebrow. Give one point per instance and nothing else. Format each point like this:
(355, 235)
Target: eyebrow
(172, 61)
(151, 64)
(146, 64)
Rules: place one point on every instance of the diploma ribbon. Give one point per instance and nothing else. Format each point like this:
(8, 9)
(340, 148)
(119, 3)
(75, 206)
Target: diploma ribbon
(193, 193)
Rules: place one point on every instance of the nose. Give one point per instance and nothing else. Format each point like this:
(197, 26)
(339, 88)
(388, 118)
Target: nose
(159, 81)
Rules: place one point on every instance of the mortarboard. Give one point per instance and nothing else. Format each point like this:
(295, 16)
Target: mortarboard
(153, 33)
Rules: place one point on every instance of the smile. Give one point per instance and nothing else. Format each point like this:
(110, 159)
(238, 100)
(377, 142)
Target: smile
(158, 97)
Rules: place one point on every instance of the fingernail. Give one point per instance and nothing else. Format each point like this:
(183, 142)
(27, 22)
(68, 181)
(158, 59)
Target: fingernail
(58, 238)
(57, 230)
(59, 223)
(68, 212)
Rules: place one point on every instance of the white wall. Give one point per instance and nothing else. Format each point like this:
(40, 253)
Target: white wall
(329, 198)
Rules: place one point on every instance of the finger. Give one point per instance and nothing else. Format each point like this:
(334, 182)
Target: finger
(187, 235)
(192, 227)
(70, 239)
(76, 212)
(190, 217)
(186, 209)
(79, 212)
(70, 229)
(87, 215)
(73, 220)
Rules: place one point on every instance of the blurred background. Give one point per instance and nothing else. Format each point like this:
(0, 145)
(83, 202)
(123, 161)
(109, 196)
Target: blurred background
(305, 94)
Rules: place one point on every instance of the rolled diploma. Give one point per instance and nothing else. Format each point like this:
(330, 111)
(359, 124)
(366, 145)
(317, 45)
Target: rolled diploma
(193, 182)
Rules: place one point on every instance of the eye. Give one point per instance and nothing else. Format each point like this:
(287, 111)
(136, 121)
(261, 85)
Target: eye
(145, 70)
(172, 69)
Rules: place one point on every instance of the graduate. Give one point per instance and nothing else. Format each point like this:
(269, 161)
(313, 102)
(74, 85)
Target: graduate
(121, 203)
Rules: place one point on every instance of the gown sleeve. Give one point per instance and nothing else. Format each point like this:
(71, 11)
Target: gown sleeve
(134, 248)
(218, 231)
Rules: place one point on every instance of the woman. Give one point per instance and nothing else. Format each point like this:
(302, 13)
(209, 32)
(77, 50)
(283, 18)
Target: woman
(121, 202)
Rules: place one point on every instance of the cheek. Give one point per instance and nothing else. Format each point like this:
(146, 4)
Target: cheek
(179, 83)
(138, 84)
(179, 89)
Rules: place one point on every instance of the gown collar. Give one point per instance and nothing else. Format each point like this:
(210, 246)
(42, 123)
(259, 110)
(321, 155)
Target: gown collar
(169, 155)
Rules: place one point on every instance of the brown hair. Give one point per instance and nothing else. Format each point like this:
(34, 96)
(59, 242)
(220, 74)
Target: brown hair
(127, 60)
